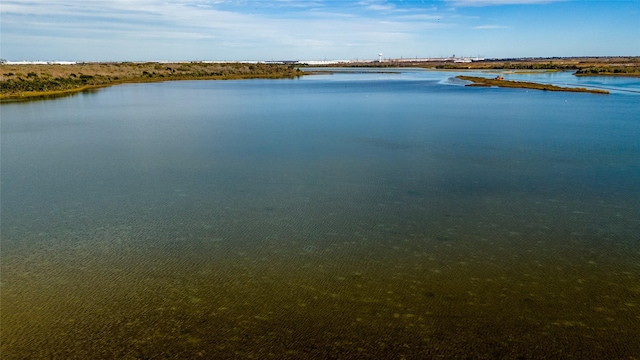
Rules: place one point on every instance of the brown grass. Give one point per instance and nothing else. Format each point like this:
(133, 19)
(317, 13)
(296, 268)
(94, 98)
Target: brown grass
(480, 81)
(24, 80)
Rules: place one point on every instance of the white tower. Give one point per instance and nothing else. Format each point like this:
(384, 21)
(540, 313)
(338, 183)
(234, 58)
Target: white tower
(379, 57)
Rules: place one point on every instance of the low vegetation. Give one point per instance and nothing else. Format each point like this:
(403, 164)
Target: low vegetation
(508, 65)
(481, 81)
(609, 71)
(24, 81)
(21, 81)
(615, 66)
(583, 66)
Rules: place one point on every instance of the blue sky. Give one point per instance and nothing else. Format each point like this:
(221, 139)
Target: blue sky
(140, 30)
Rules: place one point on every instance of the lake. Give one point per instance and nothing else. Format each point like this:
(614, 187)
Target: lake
(345, 215)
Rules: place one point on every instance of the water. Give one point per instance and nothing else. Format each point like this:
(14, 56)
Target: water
(348, 215)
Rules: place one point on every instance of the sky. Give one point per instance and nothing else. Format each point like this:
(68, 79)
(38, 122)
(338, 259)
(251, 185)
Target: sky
(174, 30)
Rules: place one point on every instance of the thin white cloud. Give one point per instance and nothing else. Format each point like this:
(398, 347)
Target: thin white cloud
(153, 16)
(377, 7)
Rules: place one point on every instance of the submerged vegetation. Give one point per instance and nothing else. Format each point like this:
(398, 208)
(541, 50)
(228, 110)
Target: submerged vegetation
(481, 81)
(21, 81)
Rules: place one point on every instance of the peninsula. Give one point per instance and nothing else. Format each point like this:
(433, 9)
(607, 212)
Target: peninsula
(500, 82)
(20, 81)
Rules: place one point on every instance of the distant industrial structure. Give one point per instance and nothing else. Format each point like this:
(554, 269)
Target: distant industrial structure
(452, 59)
(39, 62)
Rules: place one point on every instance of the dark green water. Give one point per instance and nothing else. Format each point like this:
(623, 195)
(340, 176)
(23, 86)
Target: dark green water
(344, 216)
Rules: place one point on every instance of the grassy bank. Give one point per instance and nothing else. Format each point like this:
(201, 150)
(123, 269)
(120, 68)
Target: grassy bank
(29, 81)
(480, 81)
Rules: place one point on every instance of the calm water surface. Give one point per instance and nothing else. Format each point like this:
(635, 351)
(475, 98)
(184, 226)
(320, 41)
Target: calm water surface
(349, 216)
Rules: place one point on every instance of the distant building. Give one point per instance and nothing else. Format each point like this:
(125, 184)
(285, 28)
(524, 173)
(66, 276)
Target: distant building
(283, 62)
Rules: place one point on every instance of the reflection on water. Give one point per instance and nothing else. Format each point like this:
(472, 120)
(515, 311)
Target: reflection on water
(333, 216)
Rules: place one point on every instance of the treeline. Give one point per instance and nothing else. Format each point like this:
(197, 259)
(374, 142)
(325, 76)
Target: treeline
(50, 79)
(609, 70)
(511, 66)
(581, 68)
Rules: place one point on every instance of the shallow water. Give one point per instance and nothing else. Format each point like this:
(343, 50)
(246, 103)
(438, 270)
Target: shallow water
(347, 215)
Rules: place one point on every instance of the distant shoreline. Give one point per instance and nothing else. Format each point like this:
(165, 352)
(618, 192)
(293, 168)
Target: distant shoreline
(25, 81)
(627, 66)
